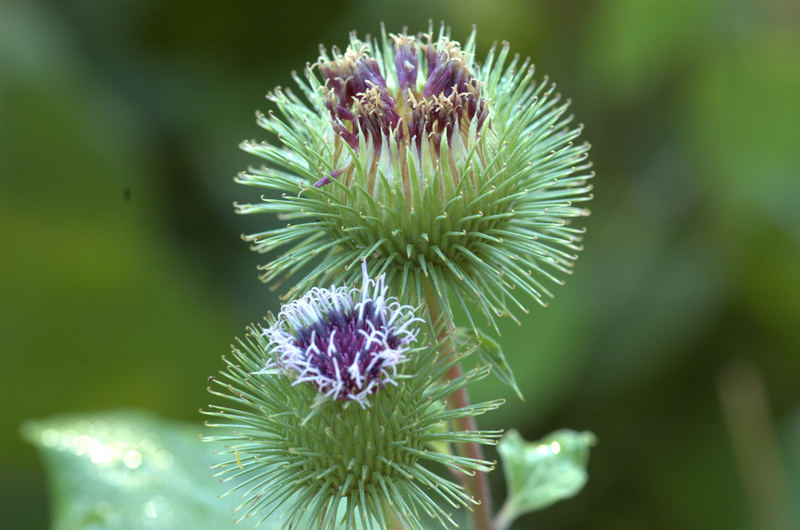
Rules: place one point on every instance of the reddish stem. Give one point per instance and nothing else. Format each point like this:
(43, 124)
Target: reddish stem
(478, 484)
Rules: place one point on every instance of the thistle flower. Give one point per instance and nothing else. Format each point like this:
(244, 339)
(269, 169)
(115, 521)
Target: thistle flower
(438, 170)
(346, 342)
(300, 449)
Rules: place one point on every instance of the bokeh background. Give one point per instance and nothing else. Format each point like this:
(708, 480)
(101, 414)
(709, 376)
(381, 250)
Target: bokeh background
(677, 341)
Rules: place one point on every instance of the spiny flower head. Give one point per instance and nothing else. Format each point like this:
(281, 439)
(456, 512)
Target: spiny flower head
(300, 455)
(439, 171)
(346, 342)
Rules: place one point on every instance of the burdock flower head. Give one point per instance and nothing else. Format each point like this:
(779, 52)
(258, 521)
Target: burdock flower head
(445, 174)
(348, 343)
(302, 454)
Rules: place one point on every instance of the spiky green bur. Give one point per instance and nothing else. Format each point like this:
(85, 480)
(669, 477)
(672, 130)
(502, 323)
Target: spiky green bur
(406, 152)
(334, 462)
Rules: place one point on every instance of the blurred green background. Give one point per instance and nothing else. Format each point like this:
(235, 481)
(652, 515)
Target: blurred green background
(677, 341)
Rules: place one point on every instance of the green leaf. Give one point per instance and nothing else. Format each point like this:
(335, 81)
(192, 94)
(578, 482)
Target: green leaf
(489, 350)
(541, 473)
(129, 469)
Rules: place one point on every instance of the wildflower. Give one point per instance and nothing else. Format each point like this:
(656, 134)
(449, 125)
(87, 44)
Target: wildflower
(346, 342)
(302, 456)
(443, 173)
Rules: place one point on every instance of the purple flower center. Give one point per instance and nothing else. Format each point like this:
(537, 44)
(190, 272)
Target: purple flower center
(347, 340)
(347, 343)
(431, 95)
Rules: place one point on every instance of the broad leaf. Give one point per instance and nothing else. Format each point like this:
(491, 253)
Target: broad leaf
(129, 470)
(542, 472)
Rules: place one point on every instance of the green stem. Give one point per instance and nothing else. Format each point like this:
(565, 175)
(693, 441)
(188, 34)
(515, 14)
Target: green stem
(478, 484)
(504, 517)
